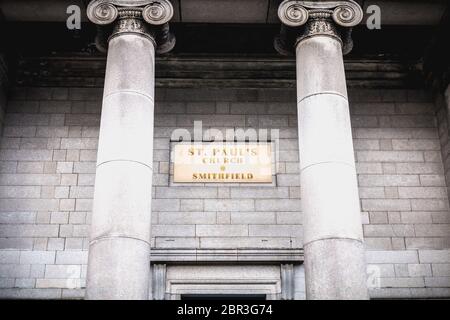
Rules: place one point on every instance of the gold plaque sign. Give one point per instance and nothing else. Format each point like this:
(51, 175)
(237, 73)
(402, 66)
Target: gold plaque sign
(223, 162)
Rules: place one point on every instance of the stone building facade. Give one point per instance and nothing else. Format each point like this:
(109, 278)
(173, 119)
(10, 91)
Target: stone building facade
(219, 238)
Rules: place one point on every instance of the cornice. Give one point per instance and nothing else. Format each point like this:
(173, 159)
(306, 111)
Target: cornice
(214, 72)
(159, 255)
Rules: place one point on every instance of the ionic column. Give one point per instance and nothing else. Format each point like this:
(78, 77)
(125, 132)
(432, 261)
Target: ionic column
(119, 248)
(333, 238)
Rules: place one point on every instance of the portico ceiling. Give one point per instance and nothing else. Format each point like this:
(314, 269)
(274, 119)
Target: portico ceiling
(393, 12)
(212, 34)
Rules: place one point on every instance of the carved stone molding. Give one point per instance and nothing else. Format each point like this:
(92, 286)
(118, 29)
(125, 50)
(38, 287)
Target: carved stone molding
(214, 72)
(287, 282)
(165, 255)
(159, 281)
(158, 12)
(145, 17)
(320, 24)
(130, 21)
(306, 19)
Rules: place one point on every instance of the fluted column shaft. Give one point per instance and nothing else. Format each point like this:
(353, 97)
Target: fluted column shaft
(119, 248)
(333, 239)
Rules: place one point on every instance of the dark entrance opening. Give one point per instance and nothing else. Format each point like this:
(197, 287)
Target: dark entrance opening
(223, 297)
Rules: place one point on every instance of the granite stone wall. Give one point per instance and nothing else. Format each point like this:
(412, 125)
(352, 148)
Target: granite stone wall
(47, 172)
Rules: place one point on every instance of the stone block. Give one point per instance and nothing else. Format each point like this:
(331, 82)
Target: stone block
(368, 168)
(37, 257)
(229, 205)
(441, 269)
(16, 243)
(253, 218)
(388, 180)
(25, 283)
(180, 230)
(288, 180)
(59, 283)
(83, 204)
(385, 205)
(35, 143)
(88, 155)
(21, 192)
(30, 167)
(378, 243)
(371, 192)
(62, 271)
(221, 230)
(71, 257)
(64, 167)
(14, 270)
(30, 294)
(437, 282)
(20, 131)
(429, 204)
(33, 231)
(289, 218)
(26, 155)
(419, 168)
(388, 256)
(59, 217)
(169, 218)
(55, 244)
(244, 242)
(165, 205)
(422, 192)
(416, 217)
(177, 242)
(434, 256)
(286, 205)
(259, 192)
(68, 179)
(77, 217)
(419, 270)
(67, 205)
(74, 244)
(415, 144)
(9, 256)
(389, 156)
(405, 282)
(432, 180)
(84, 167)
(275, 231)
(186, 192)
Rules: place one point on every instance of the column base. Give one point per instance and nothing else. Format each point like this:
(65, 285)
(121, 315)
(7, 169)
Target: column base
(335, 270)
(119, 269)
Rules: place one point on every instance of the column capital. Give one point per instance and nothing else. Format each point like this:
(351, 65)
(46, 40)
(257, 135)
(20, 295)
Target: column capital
(311, 18)
(154, 12)
(145, 17)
